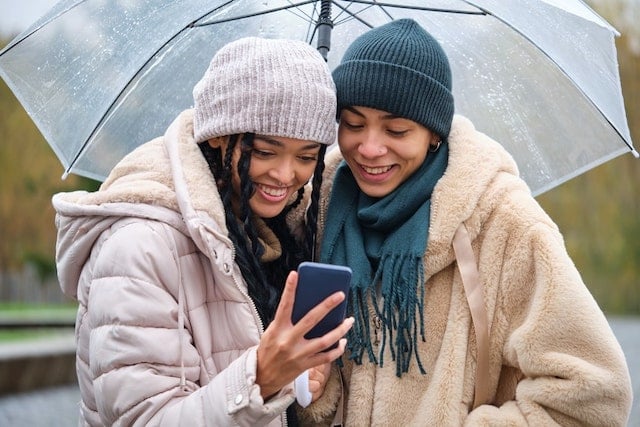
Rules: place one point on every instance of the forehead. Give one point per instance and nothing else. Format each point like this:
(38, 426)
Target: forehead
(285, 142)
(373, 114)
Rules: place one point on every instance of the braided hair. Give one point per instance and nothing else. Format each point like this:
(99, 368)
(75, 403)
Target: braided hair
(265, 282)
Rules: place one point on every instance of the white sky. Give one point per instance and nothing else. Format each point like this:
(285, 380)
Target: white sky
(16, 15)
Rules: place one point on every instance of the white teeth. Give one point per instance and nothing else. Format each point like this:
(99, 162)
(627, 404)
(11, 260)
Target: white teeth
(275, 192)
(376, 171)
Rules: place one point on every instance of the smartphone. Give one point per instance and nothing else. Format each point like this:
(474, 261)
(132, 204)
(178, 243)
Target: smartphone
(316, 281)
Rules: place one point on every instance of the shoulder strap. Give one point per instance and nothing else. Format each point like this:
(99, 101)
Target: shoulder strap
(338, 418)
(473, 290)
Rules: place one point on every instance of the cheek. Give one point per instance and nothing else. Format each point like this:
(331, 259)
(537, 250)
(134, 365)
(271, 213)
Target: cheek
(305, 173)
(415, 151)
(345, 143)
(345, 138)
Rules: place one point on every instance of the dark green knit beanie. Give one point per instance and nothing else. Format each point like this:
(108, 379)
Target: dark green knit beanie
(401, 69)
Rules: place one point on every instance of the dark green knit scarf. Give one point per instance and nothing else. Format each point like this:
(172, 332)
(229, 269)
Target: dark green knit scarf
(383, 240)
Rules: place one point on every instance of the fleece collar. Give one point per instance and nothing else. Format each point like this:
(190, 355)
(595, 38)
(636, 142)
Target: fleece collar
(471, 185)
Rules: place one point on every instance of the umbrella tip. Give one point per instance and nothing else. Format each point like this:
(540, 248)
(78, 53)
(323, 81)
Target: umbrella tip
(635, 153)
(66, 174)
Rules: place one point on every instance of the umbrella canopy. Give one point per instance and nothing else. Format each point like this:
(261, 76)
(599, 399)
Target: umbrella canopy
(101, 77)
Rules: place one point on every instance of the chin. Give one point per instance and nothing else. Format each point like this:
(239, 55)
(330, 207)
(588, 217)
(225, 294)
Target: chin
(376, 191)
(268, 213)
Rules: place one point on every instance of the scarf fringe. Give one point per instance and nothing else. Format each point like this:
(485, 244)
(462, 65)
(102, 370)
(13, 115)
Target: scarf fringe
(385, 238)
(402, 311)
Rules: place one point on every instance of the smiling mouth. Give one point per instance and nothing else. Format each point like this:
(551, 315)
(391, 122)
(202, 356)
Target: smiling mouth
(376, 170)
(273, 191)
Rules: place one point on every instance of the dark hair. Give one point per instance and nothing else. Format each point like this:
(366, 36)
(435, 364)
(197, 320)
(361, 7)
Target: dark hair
(265, 282)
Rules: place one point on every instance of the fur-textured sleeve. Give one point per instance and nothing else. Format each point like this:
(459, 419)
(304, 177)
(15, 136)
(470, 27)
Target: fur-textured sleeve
(569, 368)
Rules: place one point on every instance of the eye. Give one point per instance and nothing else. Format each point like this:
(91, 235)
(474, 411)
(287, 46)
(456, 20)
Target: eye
(308, 157)
(351, 125)
(261, 153)
(397, 133)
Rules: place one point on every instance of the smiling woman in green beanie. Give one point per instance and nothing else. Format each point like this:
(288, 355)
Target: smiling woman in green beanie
(181, 262)
(468, 309)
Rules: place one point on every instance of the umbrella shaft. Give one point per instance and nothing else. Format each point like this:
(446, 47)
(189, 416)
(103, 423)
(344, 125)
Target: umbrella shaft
(324, 27)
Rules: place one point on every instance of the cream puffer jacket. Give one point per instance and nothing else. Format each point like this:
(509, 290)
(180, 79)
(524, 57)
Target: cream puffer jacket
(166, 333)
(553, 357)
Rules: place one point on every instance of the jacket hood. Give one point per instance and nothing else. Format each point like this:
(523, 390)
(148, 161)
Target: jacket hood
(479, 173)
(166, 179)
(149, 183)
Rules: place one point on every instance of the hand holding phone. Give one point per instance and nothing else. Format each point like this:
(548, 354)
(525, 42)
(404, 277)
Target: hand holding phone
(316, 281)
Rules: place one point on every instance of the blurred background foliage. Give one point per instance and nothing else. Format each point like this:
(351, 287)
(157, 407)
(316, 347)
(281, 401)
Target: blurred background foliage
(30, 174)
(598, 212)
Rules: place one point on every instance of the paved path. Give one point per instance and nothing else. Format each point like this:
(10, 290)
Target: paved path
(57, 407)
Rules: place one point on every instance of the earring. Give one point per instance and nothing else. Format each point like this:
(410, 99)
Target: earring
(437, 147)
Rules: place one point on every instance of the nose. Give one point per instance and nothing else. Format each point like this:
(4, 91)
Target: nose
(284, 172)
(371, 145)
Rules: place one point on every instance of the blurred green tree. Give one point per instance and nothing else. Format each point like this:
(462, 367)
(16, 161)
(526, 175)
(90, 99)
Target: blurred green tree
(599, 211)
(29, 175)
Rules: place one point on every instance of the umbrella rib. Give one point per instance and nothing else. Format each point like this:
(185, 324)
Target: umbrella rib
(382, 5)
(384, 10)
(353, 15)
(307, 16)
(134, 76)
(304, 16)
(403, 6)
(251, 15)
(17, 41)
(533, 43)
(311, 20)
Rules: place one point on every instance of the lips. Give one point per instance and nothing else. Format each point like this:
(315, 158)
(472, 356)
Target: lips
(376, 170)
(273, 194)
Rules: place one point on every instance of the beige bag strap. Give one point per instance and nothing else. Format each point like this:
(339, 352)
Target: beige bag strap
(473, 290)
(338, 418)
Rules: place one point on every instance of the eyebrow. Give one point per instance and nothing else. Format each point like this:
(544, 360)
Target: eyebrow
(279, 143)
(388, 116)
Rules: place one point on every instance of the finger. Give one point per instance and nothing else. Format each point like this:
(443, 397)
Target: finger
(318, 312)
(330, 355)
(314, 386)
(319, 373)
(285, 306)
(316, 390)
(321, 343)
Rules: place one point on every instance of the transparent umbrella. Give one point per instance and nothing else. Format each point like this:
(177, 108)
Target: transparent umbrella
(100, 77)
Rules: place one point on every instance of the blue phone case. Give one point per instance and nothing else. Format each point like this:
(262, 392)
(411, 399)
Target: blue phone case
(316, 281)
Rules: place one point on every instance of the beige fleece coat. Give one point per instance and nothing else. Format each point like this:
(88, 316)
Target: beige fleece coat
(553, 357)
(166, 333)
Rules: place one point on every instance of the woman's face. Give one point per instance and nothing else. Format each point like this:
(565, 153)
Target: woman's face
(279, 167)
(382, 150)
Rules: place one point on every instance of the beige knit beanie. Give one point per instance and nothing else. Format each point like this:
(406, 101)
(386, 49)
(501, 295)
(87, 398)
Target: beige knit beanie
(272, 87)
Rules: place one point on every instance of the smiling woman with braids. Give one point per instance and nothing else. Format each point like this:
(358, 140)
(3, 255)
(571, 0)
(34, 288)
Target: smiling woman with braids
(182, 262)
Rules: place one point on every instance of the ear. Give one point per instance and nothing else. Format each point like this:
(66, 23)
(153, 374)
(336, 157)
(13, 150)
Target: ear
(434, 138)
(218, 142)
(434, 142)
